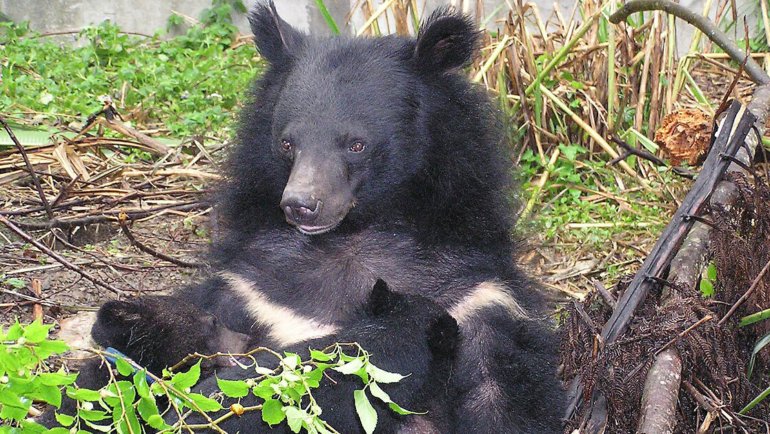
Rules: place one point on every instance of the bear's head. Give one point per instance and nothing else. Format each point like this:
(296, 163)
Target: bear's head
(158, 332)
(343, 118)
(414, 333)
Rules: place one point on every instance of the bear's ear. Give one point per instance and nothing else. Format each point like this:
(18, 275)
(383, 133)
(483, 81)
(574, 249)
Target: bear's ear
(443, 336)
(119, 312)
(381, 300)
(447, 40)
(276, 40)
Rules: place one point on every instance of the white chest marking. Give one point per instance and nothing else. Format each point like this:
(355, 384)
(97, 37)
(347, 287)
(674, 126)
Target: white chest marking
(286, 326)
(487, 294)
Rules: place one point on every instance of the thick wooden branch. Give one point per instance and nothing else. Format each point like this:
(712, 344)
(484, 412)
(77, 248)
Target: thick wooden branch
(661, 392)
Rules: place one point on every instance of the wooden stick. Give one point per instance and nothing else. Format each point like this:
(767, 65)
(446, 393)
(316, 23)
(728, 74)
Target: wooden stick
(37, 309)
(661, 390)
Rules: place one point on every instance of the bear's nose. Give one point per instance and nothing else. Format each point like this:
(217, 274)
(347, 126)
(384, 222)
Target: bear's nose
(301, 211)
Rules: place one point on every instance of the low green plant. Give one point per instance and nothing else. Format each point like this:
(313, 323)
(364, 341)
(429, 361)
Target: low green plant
(136, 401)
(708, 280)
(188, 84)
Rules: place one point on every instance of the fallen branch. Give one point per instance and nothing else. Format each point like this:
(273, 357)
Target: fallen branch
(661, 391)
(733, 132)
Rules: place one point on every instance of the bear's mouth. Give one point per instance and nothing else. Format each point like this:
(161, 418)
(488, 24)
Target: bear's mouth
(316, 230)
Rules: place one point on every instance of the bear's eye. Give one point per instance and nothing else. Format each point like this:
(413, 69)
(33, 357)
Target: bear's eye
(357, 147)
(286, 145)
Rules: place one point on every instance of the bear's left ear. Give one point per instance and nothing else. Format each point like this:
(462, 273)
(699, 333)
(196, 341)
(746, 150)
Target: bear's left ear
(276, 40)
(447, 40)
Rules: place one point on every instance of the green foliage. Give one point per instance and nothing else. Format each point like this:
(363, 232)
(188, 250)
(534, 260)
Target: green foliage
(24, 377)
(189, 84)
(130, 402)
(708, 280)
(583, 200)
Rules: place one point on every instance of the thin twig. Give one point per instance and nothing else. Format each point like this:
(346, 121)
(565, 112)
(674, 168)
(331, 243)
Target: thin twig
(746, 294)
(110, 216)
(30, 169)
(26, 237)
(122, 218)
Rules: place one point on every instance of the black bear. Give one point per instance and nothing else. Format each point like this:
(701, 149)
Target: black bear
(404, 333)
(360, 158)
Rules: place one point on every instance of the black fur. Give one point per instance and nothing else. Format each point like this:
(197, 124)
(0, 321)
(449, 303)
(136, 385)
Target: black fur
(424, 206)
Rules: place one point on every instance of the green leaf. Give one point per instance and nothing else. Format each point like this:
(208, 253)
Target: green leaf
(14, 332)
(272, 412)
(48, 394)
(147, 408)
(15, 282)
(294, 417)
(761, 343)
(205, 403)
(140, 384)
(124, 368)
(92, 415)
(377, 392)
(46, 349)
(291, 361)
(382, 376)
(57, 378)
(157, 422)
(755, 317)
(185, 380)
(64, 420)
(320, 356)
(711, 271)
(706, 288)
(351, 367)
(366, 413)
(400, 410)
(83, 394)
(233, 389)
(36, 332)
(265, 389)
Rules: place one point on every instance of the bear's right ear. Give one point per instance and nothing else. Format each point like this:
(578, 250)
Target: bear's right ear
(444, 336)
(276, 40)
(381, 300)
(447, 40)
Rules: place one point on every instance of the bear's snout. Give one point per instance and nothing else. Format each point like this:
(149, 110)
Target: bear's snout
(301, 210)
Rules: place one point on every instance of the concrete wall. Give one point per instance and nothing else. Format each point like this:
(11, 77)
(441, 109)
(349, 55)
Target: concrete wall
(148, 16)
